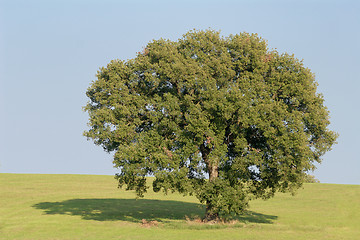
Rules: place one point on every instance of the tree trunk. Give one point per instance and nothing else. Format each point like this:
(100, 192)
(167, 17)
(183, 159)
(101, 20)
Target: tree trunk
(211, 214)
(213, 172)
(212, 167)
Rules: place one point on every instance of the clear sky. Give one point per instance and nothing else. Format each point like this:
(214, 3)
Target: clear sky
(50, 52)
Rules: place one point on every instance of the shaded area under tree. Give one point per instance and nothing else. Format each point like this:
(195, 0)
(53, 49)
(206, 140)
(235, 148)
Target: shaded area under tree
(134, 210)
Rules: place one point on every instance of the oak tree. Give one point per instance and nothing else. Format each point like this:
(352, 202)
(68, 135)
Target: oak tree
(223, 118)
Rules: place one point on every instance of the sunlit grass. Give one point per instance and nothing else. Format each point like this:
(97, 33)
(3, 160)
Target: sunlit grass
(34, 206)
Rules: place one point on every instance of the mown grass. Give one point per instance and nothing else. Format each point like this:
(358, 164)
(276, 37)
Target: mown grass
(35, 206)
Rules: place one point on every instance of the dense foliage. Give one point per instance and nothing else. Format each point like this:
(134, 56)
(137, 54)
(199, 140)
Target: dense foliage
(222, 118)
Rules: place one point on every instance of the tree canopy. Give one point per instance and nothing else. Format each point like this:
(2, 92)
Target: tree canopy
(223, 118)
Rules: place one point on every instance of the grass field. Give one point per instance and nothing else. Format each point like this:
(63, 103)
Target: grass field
(35, 206)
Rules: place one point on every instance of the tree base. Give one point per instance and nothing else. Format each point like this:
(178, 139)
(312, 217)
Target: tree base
(211, 218)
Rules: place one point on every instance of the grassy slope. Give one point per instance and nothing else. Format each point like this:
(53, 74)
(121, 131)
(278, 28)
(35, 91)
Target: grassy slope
(91, 207)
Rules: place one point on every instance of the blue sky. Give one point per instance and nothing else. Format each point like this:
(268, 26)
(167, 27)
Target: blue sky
(50, 52)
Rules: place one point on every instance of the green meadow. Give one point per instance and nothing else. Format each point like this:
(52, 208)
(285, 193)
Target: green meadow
(39, 206)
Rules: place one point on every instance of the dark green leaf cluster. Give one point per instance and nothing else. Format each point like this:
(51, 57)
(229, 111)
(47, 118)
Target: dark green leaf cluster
(223, 118)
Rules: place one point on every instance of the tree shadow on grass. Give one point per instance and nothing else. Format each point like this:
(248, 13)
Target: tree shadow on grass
(254, 217)
(134, 210)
